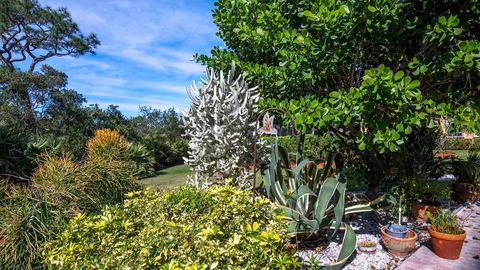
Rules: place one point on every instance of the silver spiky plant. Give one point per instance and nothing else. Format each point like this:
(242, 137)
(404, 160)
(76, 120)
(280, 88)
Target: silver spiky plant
(220, 127)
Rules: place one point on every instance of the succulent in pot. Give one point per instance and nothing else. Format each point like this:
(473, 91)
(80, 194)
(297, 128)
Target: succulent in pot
(397, 230)
(367, 246)
(447, 234)
(398, 239)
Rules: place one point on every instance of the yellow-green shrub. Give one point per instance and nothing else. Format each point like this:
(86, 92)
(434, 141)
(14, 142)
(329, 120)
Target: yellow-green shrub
(207, 228)
(54, 169)
(58, 189)
(107, 144)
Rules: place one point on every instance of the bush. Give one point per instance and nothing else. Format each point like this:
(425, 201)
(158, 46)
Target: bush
(184, 228)
(143, 160)
(468, 171)
(29, 216)
(461, 144)
(105, 182)
(107, 144)
(60, 188)
(166, 151)
(314, 148)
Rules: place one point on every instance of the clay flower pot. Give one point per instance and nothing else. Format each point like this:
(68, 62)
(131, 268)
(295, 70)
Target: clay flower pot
(420, 211)
(447, 246)
(465, 192)
(399, 247)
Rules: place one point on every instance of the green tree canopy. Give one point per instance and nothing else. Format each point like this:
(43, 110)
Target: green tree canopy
(370, 71)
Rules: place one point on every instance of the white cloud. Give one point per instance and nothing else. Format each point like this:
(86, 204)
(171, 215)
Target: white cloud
(146, 52)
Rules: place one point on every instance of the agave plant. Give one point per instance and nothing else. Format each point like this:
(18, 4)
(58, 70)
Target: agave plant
(314, 198)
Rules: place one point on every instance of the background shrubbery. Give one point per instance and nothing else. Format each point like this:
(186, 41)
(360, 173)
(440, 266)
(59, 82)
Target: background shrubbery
(461, 144)
(186, 227)
(315, 146)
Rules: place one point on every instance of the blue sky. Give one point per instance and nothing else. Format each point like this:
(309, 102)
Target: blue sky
(146, 51)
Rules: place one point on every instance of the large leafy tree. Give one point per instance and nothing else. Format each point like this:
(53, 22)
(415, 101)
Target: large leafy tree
(368, 71)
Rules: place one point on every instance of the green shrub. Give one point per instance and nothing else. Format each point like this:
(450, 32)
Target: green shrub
(142, 158)
(420, 189)
(315, 147)
(166, 151)
(461, 144)
(187, 227)
(105, 182)
(29, 216)
(59, 188)
(468, 171)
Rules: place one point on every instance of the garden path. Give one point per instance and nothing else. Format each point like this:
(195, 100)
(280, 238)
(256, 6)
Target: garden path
(425, 259)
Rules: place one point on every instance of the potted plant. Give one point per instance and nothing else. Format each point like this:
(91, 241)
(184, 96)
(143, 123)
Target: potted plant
(422, 207)
(447, 234)
(367, 246)
(422, 199)
(398, 239)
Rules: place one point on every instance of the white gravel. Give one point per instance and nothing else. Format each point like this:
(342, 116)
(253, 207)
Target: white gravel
(367, 227)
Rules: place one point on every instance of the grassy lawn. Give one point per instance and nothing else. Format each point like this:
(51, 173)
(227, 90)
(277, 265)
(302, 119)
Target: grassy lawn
(168, 178)
(462, 154)
(173, 177)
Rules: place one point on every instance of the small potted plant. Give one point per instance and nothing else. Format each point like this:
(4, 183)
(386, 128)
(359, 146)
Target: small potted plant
(397, 230)
(398, 239)
(447, 234)
(367, 246)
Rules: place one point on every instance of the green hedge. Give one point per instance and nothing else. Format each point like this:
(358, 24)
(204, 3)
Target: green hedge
(461, 144)
(314, 147)
(188, 228)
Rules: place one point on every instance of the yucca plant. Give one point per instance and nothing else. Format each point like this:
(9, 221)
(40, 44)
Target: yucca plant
(314, 198)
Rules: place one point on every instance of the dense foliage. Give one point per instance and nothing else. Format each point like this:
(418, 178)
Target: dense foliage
(59, 188)
(314, 147)
(461, 144)
(188, 228)
(369, 72)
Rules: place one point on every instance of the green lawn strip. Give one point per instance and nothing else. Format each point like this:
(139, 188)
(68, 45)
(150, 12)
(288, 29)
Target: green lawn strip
(462, 154)
(168, 178)
(175, 176)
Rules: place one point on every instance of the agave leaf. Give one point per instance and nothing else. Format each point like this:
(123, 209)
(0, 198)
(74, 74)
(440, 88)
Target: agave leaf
(298, 170)
(267, 182)
(283, 157)
(382, 202)
(328, 165)
(349, 243)
(325, 195)
(339, 208)
(292, 214)
(303, 225)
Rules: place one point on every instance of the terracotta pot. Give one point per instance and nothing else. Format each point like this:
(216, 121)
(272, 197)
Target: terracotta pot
(399, 247)
(447, 246)
(465, 192)
(420, 211)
